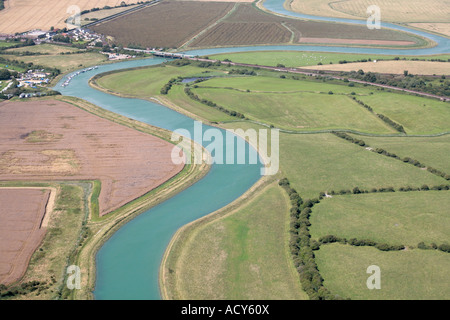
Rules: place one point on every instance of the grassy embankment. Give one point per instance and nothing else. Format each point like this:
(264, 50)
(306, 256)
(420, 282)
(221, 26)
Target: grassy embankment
(313, 163)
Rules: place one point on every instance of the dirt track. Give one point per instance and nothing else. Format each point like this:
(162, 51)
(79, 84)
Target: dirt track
(21, 215)
(53, 140)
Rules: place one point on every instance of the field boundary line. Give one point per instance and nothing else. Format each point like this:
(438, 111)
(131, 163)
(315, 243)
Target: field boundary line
(188, 42)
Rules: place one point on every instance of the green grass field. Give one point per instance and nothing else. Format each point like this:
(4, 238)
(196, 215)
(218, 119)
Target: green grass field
(298, 111)
(385, 218)
(409, 275)
(417, 114)
(4, 44)
(271, 82)
(63, 62)
(303, 59)
(431, 151)
(242, 255)
(146, 82)
(323, 162)
(45, 49)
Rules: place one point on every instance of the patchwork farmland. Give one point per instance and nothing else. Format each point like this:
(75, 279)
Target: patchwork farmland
(200, 24)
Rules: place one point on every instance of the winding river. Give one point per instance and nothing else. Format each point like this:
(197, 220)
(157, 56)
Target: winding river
(128, 263)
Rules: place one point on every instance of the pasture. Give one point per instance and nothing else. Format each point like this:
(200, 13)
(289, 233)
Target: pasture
(418, 115)
(243, 254)
(405, 275)
(400, 218)
(432, 151)
(298, 111)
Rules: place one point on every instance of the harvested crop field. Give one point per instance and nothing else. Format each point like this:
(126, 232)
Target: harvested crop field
(249, 25)
(21, 215)
(393, 11)
(394, 67)
(167, 24)
(54, 140)
(25, 15)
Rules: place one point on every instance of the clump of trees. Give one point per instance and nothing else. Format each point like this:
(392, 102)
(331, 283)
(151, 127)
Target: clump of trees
(168, 86)
(21, 289)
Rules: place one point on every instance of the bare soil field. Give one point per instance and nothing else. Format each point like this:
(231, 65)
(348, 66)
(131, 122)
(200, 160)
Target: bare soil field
(394, 67)
(244, 25)
(21, 231)
(25, 15)
(54, 140)
(243, 33)
(167, 24)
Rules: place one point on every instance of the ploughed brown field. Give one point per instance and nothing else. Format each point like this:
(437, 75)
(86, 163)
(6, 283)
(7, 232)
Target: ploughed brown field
(167, 24)
(54, 140)
(249, 25)
(21, 232)
(204, 24)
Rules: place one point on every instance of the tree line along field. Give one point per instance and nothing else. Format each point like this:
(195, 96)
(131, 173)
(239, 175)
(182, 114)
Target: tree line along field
(315, 163)
(167, 24)
(25, 15)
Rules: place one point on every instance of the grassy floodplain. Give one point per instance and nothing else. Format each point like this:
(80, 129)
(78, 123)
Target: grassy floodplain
(242, 255)
(314, 162)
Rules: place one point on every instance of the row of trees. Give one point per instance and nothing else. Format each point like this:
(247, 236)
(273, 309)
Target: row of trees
(300, 245)
(212, 104)
(405, 81)
(360, 242)
(443, 247)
